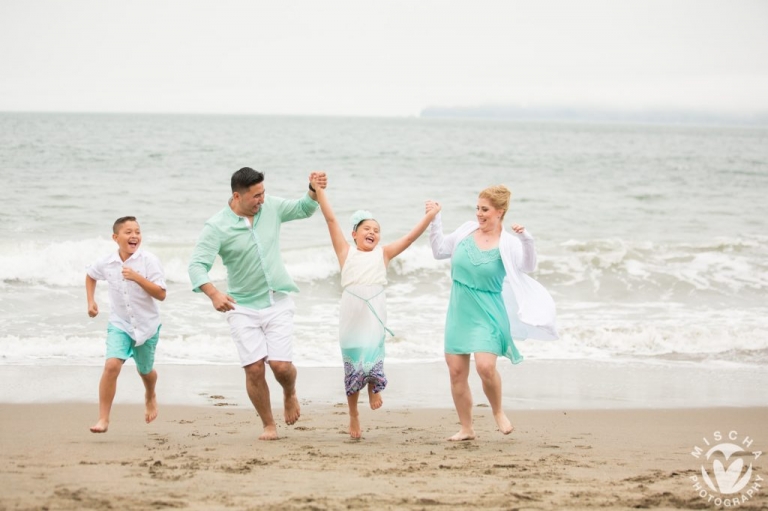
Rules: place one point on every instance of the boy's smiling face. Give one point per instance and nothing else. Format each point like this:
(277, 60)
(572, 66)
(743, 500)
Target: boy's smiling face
(128, 239)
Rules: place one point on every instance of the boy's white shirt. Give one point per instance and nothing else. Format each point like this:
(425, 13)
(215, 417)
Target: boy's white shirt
(132, 309)
(530, 307)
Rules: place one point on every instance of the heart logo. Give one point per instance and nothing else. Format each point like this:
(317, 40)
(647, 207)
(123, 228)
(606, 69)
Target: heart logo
(728, 480)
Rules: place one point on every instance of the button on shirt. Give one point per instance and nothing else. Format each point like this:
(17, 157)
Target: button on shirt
(251, 253)
(132, 309)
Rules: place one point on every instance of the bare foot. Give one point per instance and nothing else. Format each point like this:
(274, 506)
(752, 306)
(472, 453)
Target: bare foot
(270, 433)
(375, 400)
(462, 436)
(292, 409)
(100, 427)
(503, 422)
(354, 427)
(150, 413)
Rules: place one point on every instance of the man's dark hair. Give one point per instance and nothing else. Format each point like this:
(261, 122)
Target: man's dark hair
(120, 221)
(245, 178)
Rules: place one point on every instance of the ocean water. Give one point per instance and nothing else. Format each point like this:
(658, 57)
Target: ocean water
(653, 240)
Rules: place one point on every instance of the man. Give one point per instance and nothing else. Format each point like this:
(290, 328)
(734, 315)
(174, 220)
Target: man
(246, 234)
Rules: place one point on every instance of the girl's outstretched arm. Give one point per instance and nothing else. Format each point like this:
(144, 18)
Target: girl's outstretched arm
(340, 245)
(394, 249)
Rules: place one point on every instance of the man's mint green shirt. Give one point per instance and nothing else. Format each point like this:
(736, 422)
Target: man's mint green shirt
(250, 254)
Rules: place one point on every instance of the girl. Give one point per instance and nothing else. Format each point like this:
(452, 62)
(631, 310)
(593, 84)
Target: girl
(363, 314)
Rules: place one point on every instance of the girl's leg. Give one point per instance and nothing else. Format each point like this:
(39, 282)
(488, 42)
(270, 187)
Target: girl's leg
(485, 363)
(374, 399)
(107, 389)
(458, 367)
(354, 416)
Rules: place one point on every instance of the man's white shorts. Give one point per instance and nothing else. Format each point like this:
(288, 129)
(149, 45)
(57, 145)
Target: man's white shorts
(263, 333)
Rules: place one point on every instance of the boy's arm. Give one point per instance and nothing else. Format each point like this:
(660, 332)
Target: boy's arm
(340, 245)
(396, 247)
(90, 288)
(154, 290)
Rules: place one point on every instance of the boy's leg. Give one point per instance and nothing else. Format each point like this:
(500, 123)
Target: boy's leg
(144, 356)
(107, 389)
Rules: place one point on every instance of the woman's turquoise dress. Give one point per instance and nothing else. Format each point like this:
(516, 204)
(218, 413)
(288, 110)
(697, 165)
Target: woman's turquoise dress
(477, 320)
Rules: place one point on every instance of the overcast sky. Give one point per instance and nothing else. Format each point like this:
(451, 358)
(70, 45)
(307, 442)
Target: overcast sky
(389, 58)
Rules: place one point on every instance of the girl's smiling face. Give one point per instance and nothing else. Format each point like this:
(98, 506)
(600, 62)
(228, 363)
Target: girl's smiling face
(367, 235)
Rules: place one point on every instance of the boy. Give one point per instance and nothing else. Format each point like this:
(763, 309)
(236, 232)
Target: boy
(135, 278)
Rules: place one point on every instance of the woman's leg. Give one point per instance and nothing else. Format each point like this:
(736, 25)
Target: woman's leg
(458, 367)
(485, 363)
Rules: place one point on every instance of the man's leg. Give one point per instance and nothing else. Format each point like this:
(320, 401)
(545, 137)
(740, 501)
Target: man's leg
(258, 392)
(107, 389)
(285, 374)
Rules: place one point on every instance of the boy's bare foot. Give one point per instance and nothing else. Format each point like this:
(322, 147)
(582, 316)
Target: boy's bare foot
(375, 400)
(270, 433)
(150, 413)
(292, 409)
(503, 422)
(462, 436)
(354, 427)
(100, 427)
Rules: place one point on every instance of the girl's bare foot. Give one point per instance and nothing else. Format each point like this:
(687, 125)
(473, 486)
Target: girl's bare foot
(354, 427)
(462, 436)
(503, 422)
(100, 427)
(375, 400)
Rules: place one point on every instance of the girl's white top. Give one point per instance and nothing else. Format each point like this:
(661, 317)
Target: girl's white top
(366, 268)
(530, 307)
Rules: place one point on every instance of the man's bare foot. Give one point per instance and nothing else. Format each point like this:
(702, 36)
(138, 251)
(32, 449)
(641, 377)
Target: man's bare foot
(354, 427)
(375, 400)
(150, 413)
(270, 433)
(100, 427)
(292, 409)
(503, 422)
(462, 436)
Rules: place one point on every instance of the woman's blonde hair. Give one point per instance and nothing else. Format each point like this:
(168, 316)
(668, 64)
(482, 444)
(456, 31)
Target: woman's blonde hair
(498, 196)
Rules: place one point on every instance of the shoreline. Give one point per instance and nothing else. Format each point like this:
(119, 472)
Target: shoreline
(532, 385)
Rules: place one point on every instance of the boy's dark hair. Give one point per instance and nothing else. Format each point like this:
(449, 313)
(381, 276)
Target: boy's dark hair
(245, 178)
(120, 221)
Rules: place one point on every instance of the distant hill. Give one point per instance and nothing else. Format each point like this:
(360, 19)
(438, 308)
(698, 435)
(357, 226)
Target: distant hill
(514, 113)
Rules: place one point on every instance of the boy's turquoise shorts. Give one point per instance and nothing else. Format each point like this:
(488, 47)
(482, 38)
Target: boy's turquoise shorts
(120, 345)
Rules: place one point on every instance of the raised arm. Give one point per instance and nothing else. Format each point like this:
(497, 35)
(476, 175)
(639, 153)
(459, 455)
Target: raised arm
(395, 248)
(528, 262)
(340, 245)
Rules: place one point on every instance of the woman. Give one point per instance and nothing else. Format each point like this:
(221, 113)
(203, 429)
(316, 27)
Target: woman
(492, 301)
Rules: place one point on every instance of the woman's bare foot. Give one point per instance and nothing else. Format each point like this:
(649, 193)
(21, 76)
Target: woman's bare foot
(100, 427)
(462, 436)
(503, 422)
(292, 409)
(150, 413)
(354, 427)
(374, 399)
(270, 433)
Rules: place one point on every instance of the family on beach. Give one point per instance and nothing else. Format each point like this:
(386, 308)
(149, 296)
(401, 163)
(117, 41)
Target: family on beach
(492, 300)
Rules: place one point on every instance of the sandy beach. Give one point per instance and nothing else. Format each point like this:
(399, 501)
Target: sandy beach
(206, 456)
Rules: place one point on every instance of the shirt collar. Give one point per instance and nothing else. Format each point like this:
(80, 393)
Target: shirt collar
(115, 258)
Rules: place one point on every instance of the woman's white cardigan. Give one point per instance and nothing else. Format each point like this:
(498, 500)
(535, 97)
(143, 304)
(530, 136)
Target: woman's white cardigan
(530, 307)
